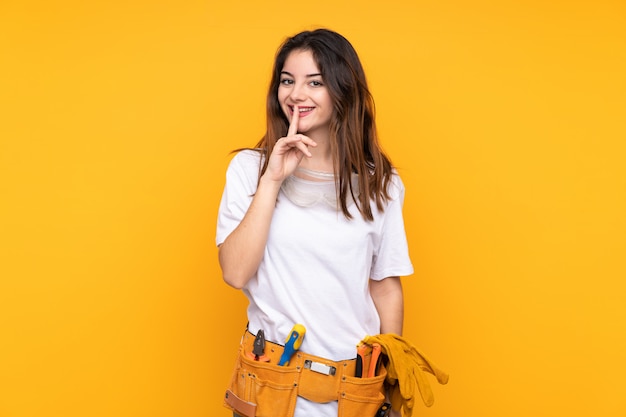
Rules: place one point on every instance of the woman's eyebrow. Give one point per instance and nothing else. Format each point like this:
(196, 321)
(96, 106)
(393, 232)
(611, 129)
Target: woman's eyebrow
(307, 76)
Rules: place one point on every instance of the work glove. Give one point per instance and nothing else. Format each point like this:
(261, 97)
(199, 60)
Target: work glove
(406, 372)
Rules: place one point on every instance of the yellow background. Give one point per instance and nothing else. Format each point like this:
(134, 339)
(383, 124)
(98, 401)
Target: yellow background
(507, 123)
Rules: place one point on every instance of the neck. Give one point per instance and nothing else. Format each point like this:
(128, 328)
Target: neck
(322, 160)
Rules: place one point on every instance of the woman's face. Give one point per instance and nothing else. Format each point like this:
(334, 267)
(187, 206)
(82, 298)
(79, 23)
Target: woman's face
(301, 85)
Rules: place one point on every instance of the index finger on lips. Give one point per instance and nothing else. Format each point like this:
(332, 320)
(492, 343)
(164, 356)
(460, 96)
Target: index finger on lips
(293, 126)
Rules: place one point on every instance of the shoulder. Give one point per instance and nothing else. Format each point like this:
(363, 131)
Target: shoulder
(246, 161)
(243, 170)
(247, 158)
(395, 186)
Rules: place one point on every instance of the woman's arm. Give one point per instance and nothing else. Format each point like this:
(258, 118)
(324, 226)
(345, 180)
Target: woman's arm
(242, 251)
(389, 302)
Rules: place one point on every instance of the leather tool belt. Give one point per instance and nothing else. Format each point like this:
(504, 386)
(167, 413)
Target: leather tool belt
(264, 389)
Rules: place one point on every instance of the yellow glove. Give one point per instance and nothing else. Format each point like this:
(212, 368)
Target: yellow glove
(406, 372)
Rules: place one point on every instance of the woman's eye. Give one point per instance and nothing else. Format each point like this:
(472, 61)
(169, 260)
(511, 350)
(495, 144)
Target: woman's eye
(315, 83)
(286, 81)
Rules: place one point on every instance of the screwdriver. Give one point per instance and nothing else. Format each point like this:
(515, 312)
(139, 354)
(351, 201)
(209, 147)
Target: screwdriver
(292, 343)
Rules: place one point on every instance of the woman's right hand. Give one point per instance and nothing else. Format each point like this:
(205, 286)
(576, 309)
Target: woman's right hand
(288, 151)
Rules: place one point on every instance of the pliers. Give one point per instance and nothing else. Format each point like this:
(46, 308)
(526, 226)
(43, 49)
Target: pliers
(361, 351)
(258, 350)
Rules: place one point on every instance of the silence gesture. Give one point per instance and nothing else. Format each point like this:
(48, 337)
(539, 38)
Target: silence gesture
(289, 151)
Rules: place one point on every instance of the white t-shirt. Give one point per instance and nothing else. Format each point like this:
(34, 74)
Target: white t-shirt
(317, 263)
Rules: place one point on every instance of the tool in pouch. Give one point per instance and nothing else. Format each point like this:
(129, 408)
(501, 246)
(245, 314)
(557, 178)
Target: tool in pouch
(371, 373)
(370, 370)
(364, 369)
(258, 351)
(361, 351)
(292, 343)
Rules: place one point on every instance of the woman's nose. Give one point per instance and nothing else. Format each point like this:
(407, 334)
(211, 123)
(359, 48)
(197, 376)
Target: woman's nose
(297, 93)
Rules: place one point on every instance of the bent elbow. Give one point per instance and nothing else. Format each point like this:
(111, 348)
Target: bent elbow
(233, 281)
(234, 272)
(235, 277)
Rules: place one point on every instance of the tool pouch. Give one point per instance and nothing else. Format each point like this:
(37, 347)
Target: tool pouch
(264, 389)
(361, 397)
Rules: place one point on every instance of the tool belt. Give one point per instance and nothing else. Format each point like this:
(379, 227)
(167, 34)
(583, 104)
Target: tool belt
(264, 389)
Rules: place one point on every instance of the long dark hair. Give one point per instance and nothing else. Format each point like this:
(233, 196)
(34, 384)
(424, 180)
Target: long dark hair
(353, 136)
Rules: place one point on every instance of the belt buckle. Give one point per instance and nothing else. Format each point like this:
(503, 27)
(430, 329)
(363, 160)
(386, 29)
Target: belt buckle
(320, 367)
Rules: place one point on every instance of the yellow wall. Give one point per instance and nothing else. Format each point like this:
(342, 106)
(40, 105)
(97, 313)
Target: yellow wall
(506, 120)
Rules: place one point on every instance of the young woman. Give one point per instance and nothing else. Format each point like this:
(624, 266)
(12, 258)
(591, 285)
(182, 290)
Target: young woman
(310, 227)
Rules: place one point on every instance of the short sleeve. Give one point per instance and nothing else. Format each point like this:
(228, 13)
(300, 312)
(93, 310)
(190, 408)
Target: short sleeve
(391, 257)
(241, 183)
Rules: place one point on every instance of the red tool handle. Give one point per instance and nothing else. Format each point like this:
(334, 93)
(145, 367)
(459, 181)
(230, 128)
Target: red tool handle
(374, 360)
(360, 360)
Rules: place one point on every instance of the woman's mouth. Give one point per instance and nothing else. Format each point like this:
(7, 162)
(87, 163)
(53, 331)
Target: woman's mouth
(303, 111)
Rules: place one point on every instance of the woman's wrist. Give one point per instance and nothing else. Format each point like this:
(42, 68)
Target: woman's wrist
(269, 184)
